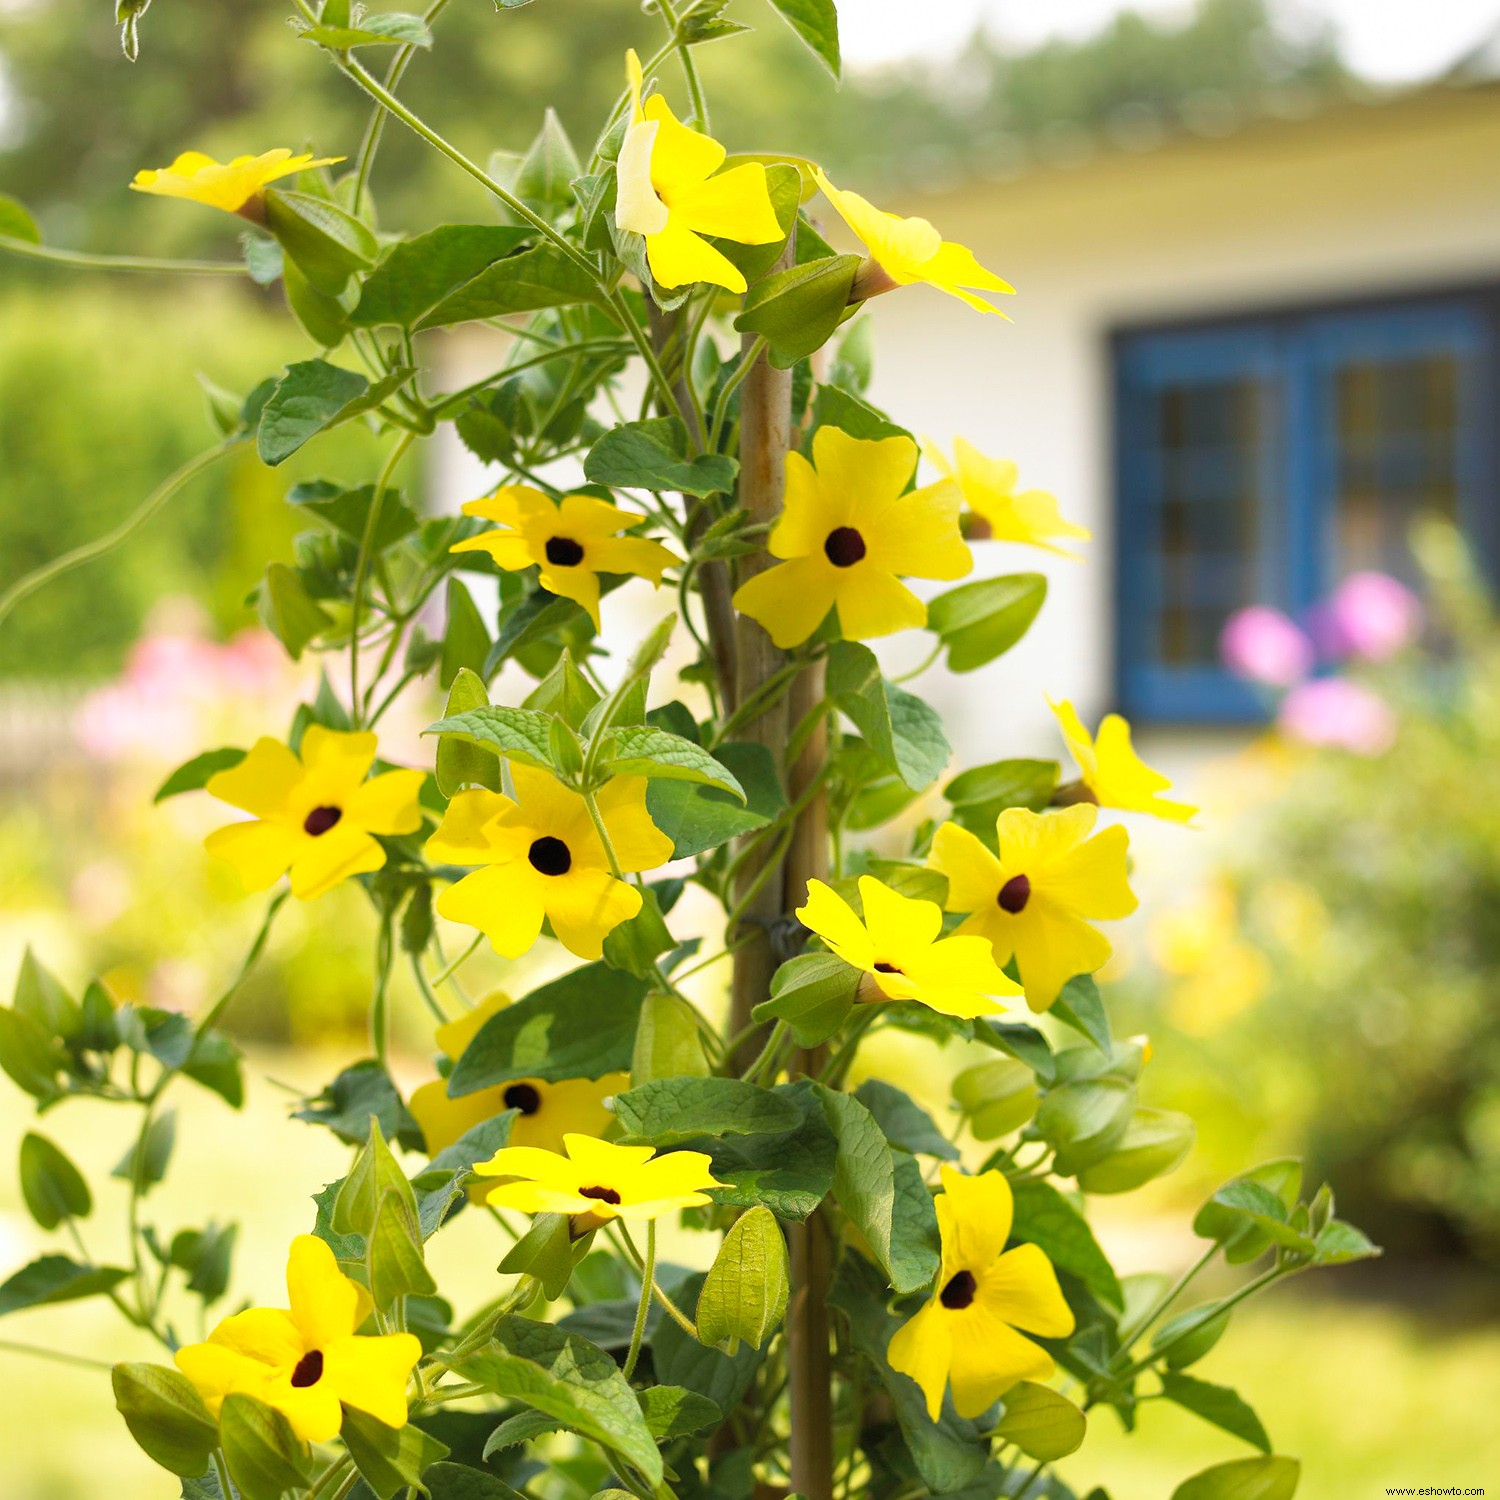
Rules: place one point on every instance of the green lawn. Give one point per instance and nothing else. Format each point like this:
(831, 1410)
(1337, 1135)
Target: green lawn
(1366, 1396)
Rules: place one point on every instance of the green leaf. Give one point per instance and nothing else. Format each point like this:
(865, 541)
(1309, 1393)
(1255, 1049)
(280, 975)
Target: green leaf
(570, 1379)
(1265, 1211)
(673, 1110)
(1272, 1478)
(652, 455)
(545, 176)
(791, 1174)
(40, 996)
(979, 621)
(536, 278)
(949, 1453)
(193, 775)
(265, 1457)
(564, 691)
(817, 23)
(29, 1054)
(313, 396)
(289, 612)
(389, 1458)
(784, 186)
(797, 310)
(347, 511)
(325, 242)
(458, 1481)
(745, 1294)
(418, 273)
(518, 734)
(680, 1360)
(984, 792)
(579, 1026)
(1239, 1235)
(460, 762)
(1338, 1243)
(1043, 1424)
(864, 1182)
(813, 994)
(466, 642)
(1043, 1217)
(839, 408)
(16, 221)
(145, 1163)
(645, 750)
(997, 1096)
(1081, 1007)
(667, 1041)
(697, 817)
(166, 1416)
(389, 30)
(1155, 1142)
(324, 316)
(674, 1411)
(52, 1186)
(1217, 1404)
(375, 1173)
(1085, 1119)
(545, 1251)
(346, 1105)
(905, 1124)
(394, 1252)
(1190, 1335)
(55, 1278)
(900, 728)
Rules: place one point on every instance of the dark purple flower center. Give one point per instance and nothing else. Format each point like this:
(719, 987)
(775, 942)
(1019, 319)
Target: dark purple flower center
(603, 1194)
(550, 856)
(524, 1097)
(1014, 894)
(884, 968)
(564, 552)
(844, 547)
(309, 1369)
(959, 1292)
(321, 819)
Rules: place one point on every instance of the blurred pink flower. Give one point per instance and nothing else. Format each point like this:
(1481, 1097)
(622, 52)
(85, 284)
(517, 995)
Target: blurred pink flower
(1334, 711)
(1372, 615)
(1263, 645)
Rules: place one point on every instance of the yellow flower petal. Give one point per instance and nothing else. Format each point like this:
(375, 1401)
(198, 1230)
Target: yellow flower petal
(325, 1304)
(683, 157)
(370, 1374)
(638, 843)
(865, 471)
(226, 185)
(217, 1372)
(790, 600)
(638, 210)
(808, 510)
(826, 913)
(1111, 769)
(261, 853)
(974, 1218)
(677, 257)
(585, 906)
(922, 1348)
(387, 803)
(462, 838)
(323, 862)
(735, 205)
(871, 603)
(1021, 1287)
(313, 1411)
(636, 555)
(335, 760)
(262, 783)
(443, 1120)
(453, 1036)
(989, 1357)
(502, 902)
(973, 872)
(266, 1334)
(918, 535)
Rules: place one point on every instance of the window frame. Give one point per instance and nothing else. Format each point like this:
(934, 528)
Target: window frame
(1298, 346)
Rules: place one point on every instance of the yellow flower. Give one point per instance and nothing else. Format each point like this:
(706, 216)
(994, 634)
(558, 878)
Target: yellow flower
(899, 945)
(315, 814)
(543, 858)
(599, 1178)
(227, 185)
(967, 1335)
(1113, 772)
(306, 1361)
(989, 487)
(846, 531)
(547, 1111)
(572, 542)
(911, 250)
(671, 191)
(1034, 903)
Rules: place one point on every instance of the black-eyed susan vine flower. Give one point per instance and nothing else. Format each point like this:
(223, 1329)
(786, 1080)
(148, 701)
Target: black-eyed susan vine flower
(969, 1335)
(230, 185)
(310, 1361)
(848, 533)
(1113, 773)
(546, 1111)
(600, 1179)
(900, 947)
(905, 251)
(670, 190)
(572, 541)
(1035, 901)
(542, 857)
(989, 489)
(313, 811)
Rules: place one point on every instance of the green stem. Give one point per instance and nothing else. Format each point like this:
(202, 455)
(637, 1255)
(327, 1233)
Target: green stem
(11, 1347)
(362, 566)
(721, 406)
(29, 583)
(449, 970)
(432, 1002)
(648, 1280)
(380, 1021)
(668, 1306)
(1031, 1479)
(923, 665)
(839, 1064)
(222, 1470)
(84, 261)
(767, 1053)
(1275, 1273)
(1129, 1335)
(257, 947)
